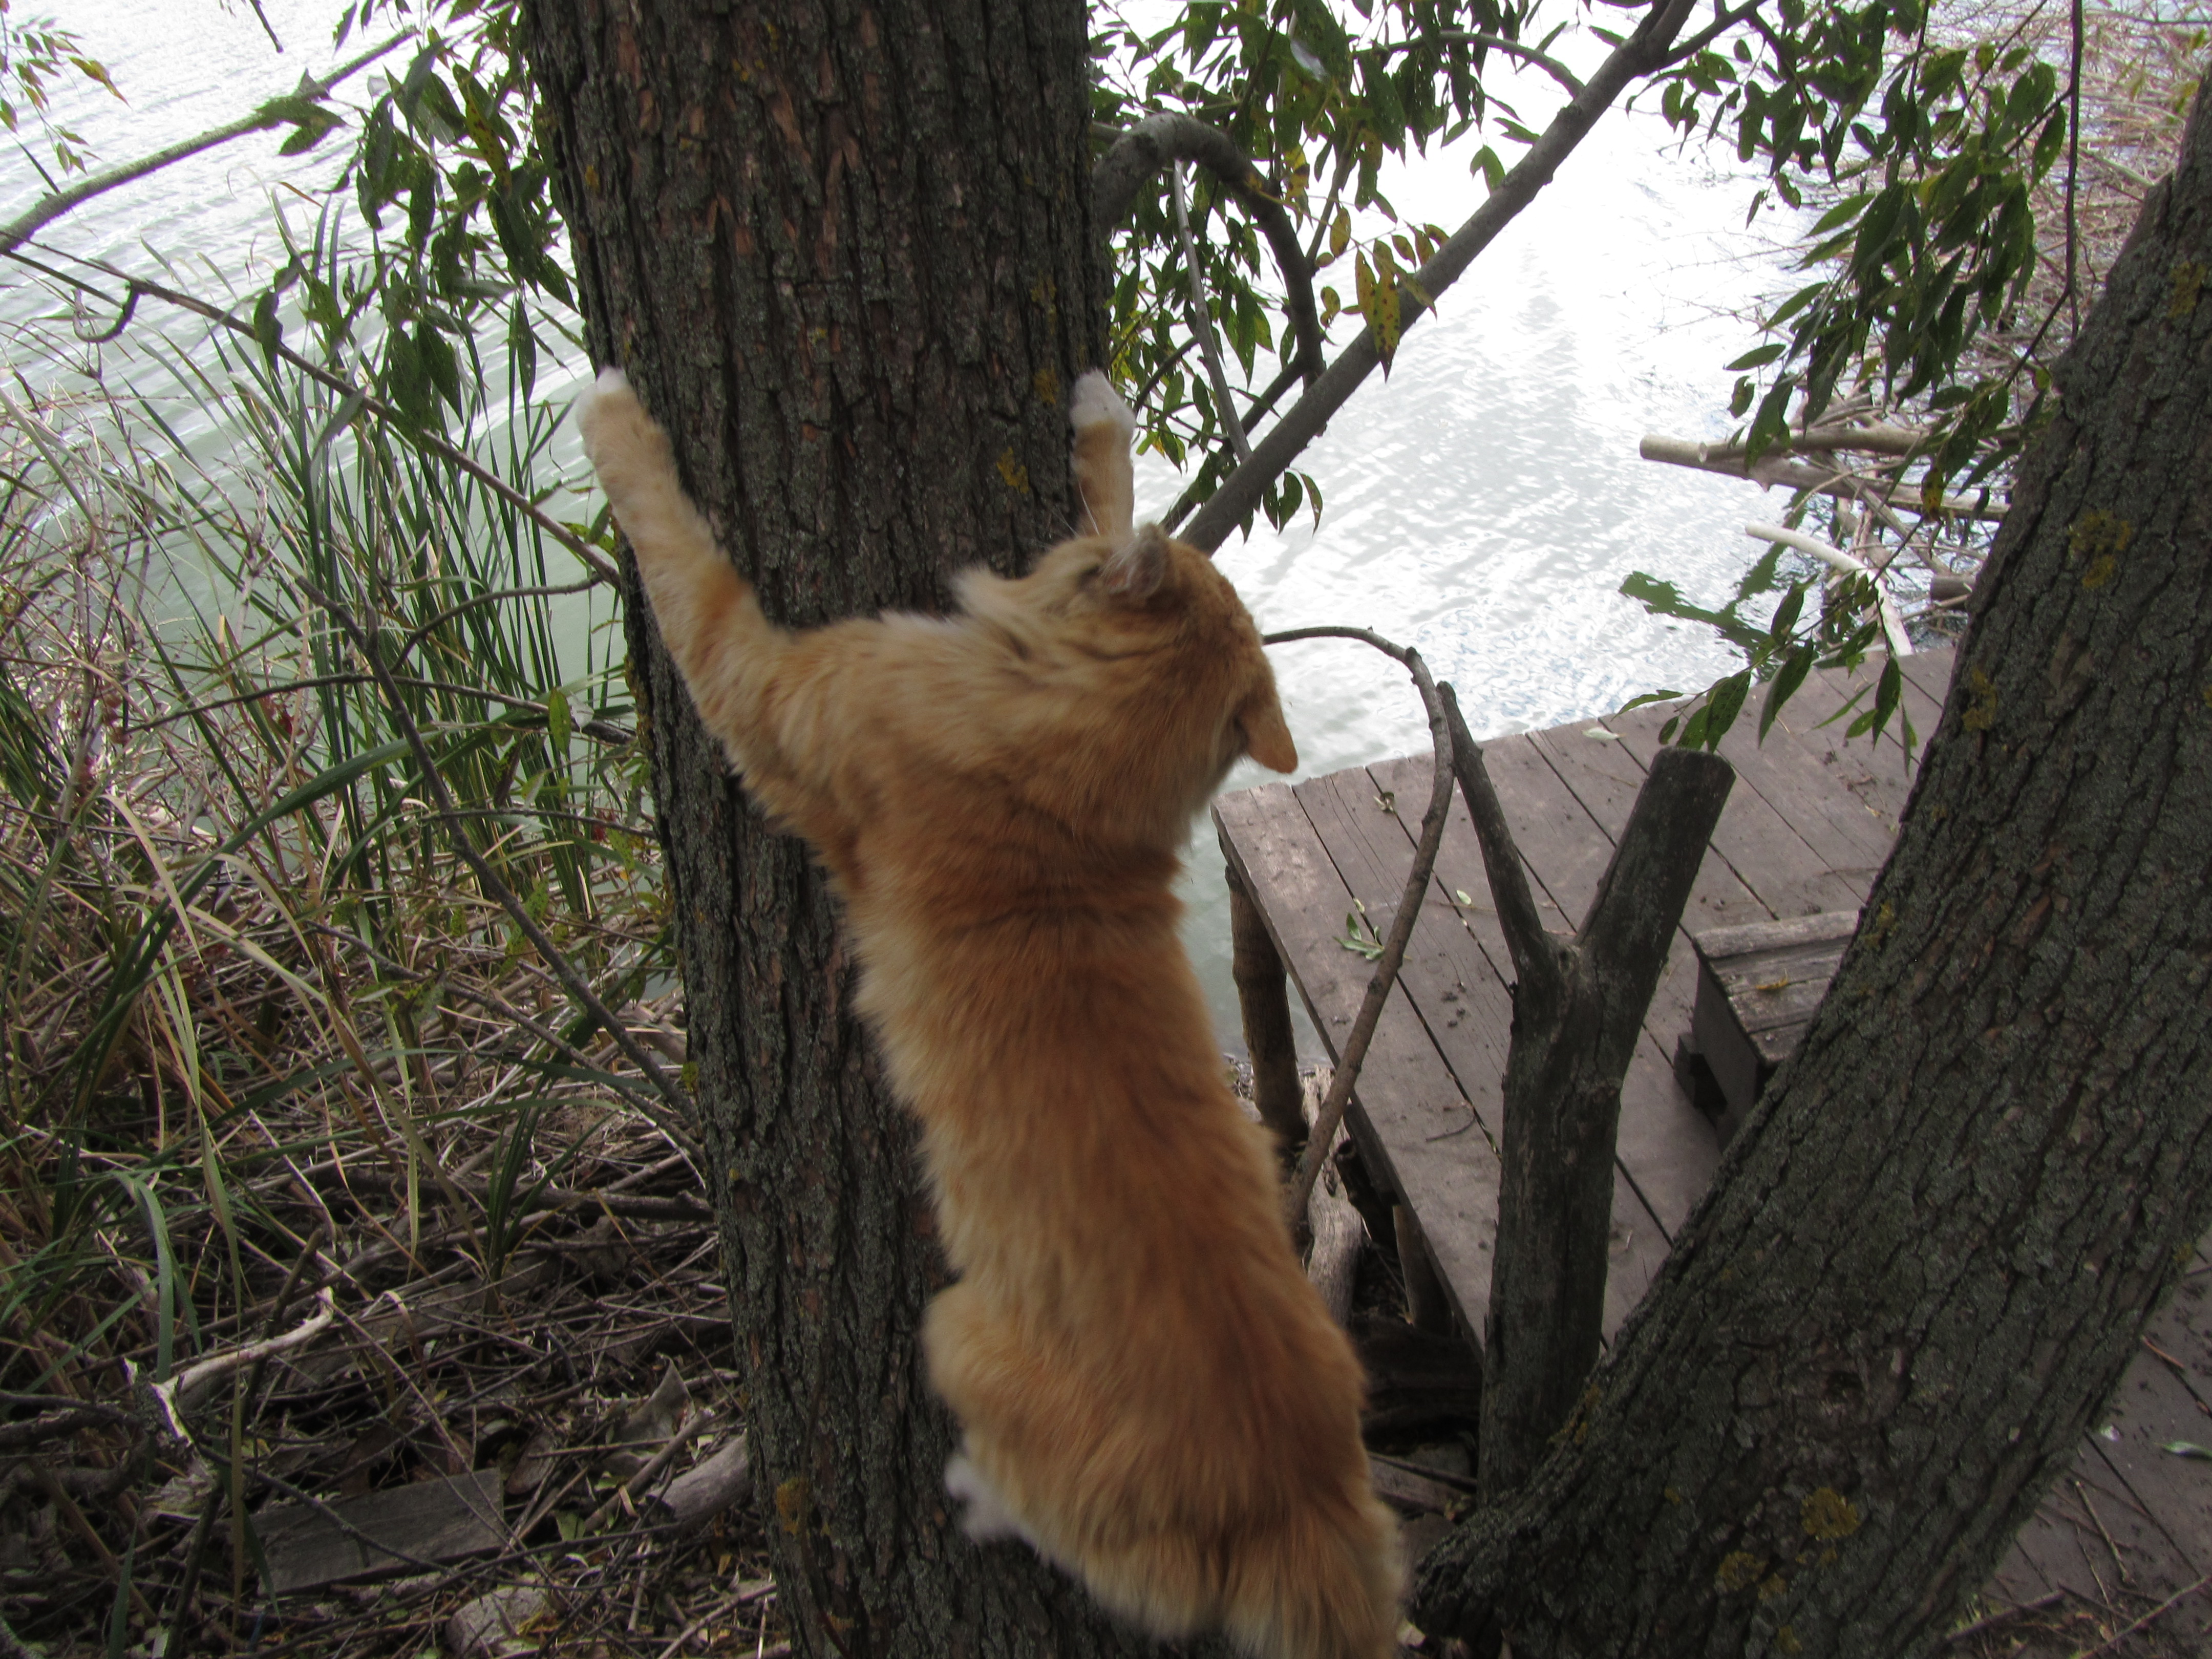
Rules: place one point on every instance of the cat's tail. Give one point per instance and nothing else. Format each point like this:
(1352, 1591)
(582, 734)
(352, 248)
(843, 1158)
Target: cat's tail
(709, 617)
(1326, 1586)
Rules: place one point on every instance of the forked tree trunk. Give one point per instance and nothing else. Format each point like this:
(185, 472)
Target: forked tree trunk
(844, 252)
(1925, 1263)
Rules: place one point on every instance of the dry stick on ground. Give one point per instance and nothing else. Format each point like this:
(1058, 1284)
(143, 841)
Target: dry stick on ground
(680, 1114)
(1578, 1006)
(1323, 1133)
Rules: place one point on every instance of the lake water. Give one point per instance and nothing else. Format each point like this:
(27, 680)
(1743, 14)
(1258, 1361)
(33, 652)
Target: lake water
(1484, 503)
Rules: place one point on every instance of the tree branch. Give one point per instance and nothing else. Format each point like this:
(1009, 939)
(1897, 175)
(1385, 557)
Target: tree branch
(1572, 1039)
(1535, 959)
(20, 229)
(1645, 51)
(1159, 139)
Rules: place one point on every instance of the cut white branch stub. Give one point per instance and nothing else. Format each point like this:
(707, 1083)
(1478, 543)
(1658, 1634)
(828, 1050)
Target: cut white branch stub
(1893, 621)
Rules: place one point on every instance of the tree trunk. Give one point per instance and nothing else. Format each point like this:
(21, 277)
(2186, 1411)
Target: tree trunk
(845, 254)
(1926, 1262)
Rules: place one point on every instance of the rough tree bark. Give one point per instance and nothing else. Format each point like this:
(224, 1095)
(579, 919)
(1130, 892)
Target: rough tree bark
(844, 252)
(1925, 1263)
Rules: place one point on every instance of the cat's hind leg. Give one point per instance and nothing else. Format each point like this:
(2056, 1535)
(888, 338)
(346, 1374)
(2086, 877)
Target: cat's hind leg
(983, 1514)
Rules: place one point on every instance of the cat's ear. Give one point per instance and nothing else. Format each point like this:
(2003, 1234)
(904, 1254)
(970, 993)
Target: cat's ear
(1103, 475)
(1135, 570)
(1266, 734)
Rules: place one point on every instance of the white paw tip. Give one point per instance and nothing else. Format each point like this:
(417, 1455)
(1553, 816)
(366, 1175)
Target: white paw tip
(1095, 403)
(613, 385)
(984, 1515)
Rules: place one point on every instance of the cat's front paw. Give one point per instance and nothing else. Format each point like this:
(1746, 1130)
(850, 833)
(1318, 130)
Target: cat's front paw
(1095, 403)
(618, 435)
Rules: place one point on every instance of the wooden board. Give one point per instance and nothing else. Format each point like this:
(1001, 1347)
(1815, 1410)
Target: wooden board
(433, 1520)
(1373, 846)
(1415, 1128)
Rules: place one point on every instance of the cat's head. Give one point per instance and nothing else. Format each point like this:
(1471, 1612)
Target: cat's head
(1170, 682)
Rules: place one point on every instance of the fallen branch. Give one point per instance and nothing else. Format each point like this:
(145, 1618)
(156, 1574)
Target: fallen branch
(170, 1401)
(1774, 467)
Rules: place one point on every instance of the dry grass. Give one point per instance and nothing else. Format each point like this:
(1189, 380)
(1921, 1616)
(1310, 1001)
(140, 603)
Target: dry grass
(269, 1041)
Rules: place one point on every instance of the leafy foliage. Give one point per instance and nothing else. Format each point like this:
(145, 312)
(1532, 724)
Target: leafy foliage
(33, 53)
(1319, 100)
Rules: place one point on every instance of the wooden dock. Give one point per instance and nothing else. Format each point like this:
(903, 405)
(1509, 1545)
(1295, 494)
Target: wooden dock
(1808, 826)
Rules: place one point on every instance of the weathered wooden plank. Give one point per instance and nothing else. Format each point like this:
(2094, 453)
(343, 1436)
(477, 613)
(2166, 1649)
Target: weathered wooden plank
(1414, 1126)
(1374, 849)
(431, 1520)
(1931, 671)
(1760, 846)
(1830, 928)
(2155, 1409)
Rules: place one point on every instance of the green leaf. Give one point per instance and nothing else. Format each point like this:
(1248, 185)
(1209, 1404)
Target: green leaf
(1723, 704)
(266, 327)
(1758, 357)
(1793, 669)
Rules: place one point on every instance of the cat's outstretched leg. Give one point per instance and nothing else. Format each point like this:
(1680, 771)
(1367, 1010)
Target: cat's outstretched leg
(728, 651)
(1104, 476)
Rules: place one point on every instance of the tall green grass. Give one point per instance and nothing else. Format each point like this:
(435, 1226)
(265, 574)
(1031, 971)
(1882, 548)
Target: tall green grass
(244, 977)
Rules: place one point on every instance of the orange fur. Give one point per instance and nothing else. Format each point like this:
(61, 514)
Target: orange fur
(1150, 1392)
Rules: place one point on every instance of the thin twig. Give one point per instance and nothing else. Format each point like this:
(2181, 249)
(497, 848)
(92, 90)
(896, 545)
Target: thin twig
(171, 1399)
(2121, 1635)
(20, 230)
(654, 1470)
(1159, 140)
(1201, 322)
(1331, 1114)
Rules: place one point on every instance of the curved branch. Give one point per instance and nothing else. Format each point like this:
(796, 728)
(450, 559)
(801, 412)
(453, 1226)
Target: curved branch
(1642, 52)
(1156, 140)
(1551, 65)
(1323, 1134)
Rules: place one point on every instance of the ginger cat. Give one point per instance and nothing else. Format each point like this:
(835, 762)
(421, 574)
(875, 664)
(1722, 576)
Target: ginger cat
(1151, 1394)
